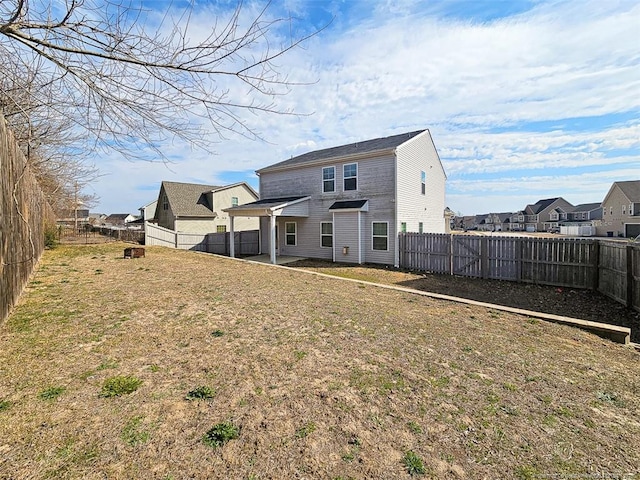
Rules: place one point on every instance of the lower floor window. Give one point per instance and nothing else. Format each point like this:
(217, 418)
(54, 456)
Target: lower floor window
(380, 235)
(326, 234)
(221, 228)
(290, 233)
(420, 227)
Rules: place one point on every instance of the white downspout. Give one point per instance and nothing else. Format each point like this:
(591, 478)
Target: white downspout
(359, 238)
(232, 243)
(396, 254)
(333, 236)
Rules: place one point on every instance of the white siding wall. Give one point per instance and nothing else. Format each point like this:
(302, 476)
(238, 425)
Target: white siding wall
(205, 225)
(222, 199)
(375, 183)
(416, 156)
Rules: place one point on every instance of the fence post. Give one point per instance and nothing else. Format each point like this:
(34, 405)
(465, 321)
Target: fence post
(629, 252)
(484, 257)
(596, 266)
(451, 254)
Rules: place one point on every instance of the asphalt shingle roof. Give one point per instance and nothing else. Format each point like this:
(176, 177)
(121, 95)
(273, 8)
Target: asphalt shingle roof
(631, 189)
(367, 146)
(189, 199)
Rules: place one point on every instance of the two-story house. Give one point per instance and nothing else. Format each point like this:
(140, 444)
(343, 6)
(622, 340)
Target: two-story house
(621, 210)
(546, 215)
(348, 203)
(196, 208)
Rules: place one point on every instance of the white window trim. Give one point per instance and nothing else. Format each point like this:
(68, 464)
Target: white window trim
(356, 177)
(236, 201)
(374, 236)
(326, 235)
(295, 234)
(323, 180)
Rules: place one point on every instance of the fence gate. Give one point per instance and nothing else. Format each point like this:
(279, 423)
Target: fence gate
(467, 256)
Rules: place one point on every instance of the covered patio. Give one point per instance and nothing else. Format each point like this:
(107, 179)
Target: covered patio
(271, 208)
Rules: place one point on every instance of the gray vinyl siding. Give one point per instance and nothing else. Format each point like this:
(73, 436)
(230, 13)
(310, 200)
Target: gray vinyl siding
(416, 156)
(345, 231)
(376, 183)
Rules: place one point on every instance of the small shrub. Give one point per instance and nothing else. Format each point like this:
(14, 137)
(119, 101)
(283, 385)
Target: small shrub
(201, 393)
(120, 385)
(51, 393)
(4, 405)
(220, 434)
(217, 333)
(413, 464)
(50, 237)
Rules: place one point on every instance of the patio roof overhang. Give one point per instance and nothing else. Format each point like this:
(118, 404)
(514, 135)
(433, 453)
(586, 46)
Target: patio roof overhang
(272, 207)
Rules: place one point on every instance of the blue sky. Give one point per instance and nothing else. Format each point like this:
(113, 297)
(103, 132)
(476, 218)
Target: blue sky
(524, 99)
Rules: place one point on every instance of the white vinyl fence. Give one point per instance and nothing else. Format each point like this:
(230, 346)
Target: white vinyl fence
(246, 243)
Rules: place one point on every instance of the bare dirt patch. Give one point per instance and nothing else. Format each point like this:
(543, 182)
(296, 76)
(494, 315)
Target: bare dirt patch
(305, 377)
(568, 302)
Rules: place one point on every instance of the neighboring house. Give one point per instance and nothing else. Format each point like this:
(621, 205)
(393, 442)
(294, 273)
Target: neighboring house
(348, 203)
(71, 217)
(586, 214)
(621, 210)
(97, 218)
(119, 219)
(195, 208)
(148, 211)
(494, 222)
(546, 215)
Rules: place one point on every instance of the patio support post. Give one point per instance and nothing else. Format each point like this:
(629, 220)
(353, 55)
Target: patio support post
(272, 237)
(232, 242)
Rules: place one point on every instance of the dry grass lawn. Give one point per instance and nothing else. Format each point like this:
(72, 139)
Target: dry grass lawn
(318, 377)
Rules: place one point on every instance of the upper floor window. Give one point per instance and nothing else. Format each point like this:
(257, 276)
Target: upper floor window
(624, 210)
(328, 179)
(165, 203)
(350, 175)
(234, 201)
(423, 183)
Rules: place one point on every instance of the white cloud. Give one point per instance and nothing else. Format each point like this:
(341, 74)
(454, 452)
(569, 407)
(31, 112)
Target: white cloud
(390, 73)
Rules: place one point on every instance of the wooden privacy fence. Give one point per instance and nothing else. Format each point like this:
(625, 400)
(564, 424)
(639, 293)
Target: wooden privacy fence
(613, 268)
(25, 216)
(246, 243)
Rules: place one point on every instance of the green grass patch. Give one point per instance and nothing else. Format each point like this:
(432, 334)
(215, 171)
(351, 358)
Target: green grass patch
(220, 434)
(119, 385)
(51, 393)
(306, 430)
(133, 434)
(4, 405)
(201, 393)
(413, 464)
